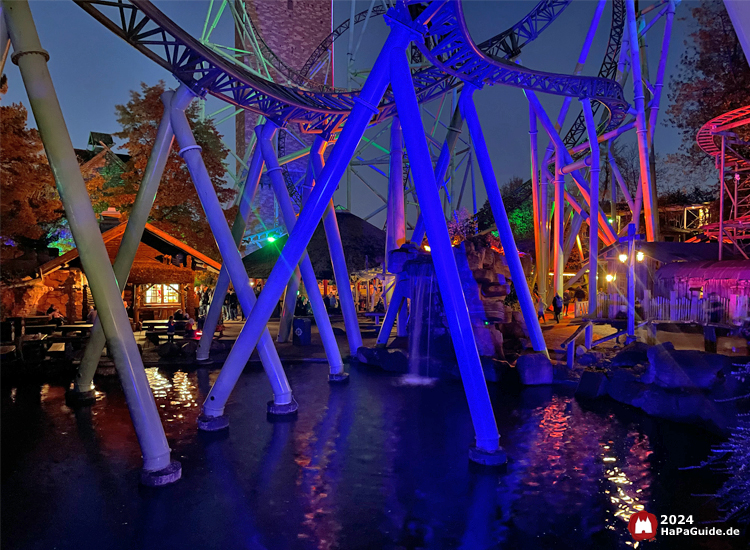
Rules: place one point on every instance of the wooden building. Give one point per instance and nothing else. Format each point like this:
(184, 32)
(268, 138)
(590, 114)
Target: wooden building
(161, 279)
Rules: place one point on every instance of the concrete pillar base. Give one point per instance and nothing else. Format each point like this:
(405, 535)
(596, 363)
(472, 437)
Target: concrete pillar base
(496, 459)
(160, 478)
(279, 411)
(75, 398)
(212, 423)
(203, 362)
(339, 378)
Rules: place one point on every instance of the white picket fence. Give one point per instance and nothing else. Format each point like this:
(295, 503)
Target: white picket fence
(733, 310)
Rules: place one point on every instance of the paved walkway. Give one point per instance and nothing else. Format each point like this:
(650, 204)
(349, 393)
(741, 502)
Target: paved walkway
(554, 335)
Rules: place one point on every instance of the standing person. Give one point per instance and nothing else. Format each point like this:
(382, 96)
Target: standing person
(233, 303)
(170, 329)
(205, 302)
(566, 302)
(541, 307)
(580, 297)
(225, 307)
(91, 317)
(557, 305)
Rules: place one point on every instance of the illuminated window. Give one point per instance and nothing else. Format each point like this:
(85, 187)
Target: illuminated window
(163, 294)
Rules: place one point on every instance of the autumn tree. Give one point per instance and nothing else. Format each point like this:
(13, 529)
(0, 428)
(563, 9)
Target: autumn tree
(30, 204)
(177, 209)
(713, 77)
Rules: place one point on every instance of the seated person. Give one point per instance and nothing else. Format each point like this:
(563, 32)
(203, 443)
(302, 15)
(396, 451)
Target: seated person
(55, 316)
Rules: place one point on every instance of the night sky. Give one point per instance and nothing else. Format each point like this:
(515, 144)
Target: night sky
(93, 70)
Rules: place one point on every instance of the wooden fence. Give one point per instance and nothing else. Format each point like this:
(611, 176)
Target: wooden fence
(731, 311)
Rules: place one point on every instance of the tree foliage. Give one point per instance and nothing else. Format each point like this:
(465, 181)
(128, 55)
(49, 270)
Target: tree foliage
(713, 77)
(177, 209)
(30, 204)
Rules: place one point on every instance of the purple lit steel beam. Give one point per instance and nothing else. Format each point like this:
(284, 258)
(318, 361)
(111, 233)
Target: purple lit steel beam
(31, 58)
(594, 213)
(582, 57)
(444, 260)
(396, 220)
(649, 204)
(338, 260)
(441, 167)
(191, 154)
(558, 256)
(610, 235)
(264, 136)
(247, 195)
(512, 257)
(351, 134)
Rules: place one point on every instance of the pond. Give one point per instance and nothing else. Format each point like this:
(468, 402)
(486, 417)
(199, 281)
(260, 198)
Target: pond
(372, 464)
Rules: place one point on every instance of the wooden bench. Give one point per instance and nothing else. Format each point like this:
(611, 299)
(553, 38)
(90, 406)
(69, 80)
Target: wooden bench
(377, 315)
(41, 329)
(84, 329)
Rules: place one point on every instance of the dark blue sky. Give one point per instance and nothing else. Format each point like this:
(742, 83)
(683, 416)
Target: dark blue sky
(93, 70)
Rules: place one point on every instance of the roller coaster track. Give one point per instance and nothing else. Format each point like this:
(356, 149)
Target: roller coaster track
(709, 136)
(150, 31)
(452, 50)
(448, 45)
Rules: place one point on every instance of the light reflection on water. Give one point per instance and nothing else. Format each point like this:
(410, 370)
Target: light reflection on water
(371, 465)
(575, 472)
(176, 399)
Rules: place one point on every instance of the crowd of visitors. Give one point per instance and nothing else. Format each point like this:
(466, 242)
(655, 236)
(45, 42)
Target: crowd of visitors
(560, 304)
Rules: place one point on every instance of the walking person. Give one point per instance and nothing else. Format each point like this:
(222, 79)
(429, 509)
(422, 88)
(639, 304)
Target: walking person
(540, 309)
(170, 329)
(557, 305)
(566, 302)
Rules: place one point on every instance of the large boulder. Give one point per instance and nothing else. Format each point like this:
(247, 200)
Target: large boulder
(631, 355)
(593, 385)
(685, 369)
(535, 369)
(391, 360)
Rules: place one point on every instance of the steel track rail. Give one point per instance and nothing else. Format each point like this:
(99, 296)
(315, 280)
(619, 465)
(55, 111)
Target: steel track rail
(452, 50)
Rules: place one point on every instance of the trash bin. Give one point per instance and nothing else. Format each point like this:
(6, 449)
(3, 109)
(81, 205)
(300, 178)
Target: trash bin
(302, 329)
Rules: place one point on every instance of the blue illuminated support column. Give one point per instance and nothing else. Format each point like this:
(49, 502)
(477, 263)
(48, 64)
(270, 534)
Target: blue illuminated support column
(501, 220)
(631, 284)
(336, 364)
(83, 386)
(594, 213)
(398, 301)
(558, 255)
(283, 402)
(356, 124)
(31, 58)
(249, 188)
(396, 221)
(288, 307)
(487, 450)
(338, 260)
(650, 210)
(441, 168)
(292, 288)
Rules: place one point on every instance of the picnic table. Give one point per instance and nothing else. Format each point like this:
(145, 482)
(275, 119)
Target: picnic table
(84, 329)
(40, 329)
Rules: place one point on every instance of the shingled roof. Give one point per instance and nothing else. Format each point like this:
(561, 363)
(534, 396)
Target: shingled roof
(155, 244)
(364, 246)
